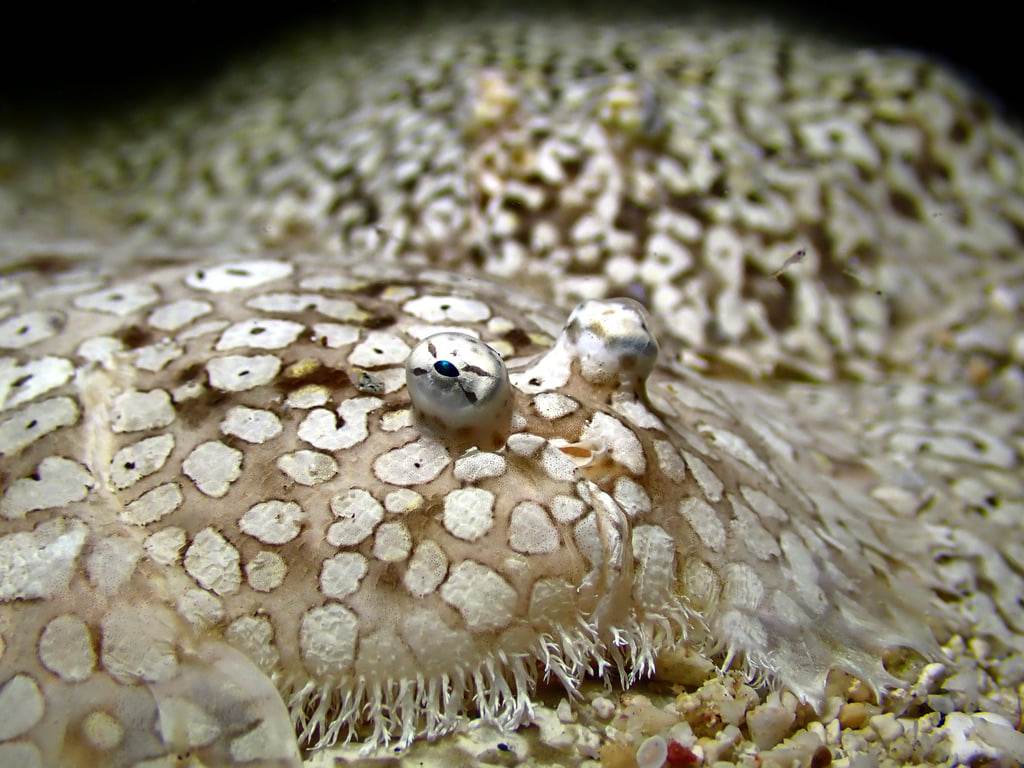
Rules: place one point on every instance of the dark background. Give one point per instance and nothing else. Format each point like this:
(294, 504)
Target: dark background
(63, 62)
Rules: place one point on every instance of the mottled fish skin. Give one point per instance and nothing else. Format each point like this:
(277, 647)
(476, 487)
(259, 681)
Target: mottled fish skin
(684, 164)
(219, 507)
(228, 536)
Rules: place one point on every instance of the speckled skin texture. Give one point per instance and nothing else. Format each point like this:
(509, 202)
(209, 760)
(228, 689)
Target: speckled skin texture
(226, 534)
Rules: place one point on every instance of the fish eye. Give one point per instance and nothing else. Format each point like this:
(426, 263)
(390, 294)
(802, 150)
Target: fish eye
(612, 340)
(458, 381)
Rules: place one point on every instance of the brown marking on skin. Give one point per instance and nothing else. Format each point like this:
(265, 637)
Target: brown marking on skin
(517, 337)
(374, 289)
(196, 411)
(134, 336)
(43, 264)
(295, 376)
(377, 322)
(190, 373)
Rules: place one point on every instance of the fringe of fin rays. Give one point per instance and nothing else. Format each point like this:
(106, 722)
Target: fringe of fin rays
(499, 688)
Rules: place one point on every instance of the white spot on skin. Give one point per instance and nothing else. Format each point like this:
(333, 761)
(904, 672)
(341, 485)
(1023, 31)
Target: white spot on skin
(254, 635)
(341, 574)
(260, 333)
(185, 725)
(530, 531)
(468, 513)
(171, 317)
(484, 599)
(237, 276)
(631, 497)
(427, 568)
(705, 523)
(101, 350)
(137, 644)
(139, 460)
(213, 562)
(29, 328)
(238, 373)
(669, 460)
(34, 421)
(251, 424)
(155, 357)
(654, 551)
(266, 571)
(479, 465)
(327, 637)
(746, 527)
(566, 509)
(741, 631)
(309, 396)
(308, 467)
(743, 588)
(320, 428)
(164, 547)
(40, 563)
(525, 444)
(60, 481)
(213, 467)
(412, 464)
(134, 411)
(111, 563)
(451, 309)
(392, 542)
(21, 383)
(200, 609)
(707, 480)
(358, 513)
(188, 391)
(65, 648)
(737, 447)
(392, 421)
(102, 731)
(21, 706)
(553, 405)
(763, 504)
(335, 336)
(804, 573)
(273, 522)
(379, 348)
(402, 501)
(266, 742)
(120, 300)
(622, 444)
(558, 465)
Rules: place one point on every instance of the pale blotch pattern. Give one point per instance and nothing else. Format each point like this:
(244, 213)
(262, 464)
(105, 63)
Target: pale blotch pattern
(468, 513)
(213, 467)
(357, 513)
(824, 463)
(251, 424)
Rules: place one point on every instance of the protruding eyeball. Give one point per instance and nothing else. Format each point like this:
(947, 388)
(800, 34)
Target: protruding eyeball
(459, 382)
(612, 341)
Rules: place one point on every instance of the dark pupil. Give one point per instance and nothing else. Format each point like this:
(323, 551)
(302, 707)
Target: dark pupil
(446, 368)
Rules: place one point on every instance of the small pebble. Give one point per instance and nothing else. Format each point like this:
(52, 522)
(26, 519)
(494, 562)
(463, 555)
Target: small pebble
(652, 753)
(854, 715)
(564, 711)
(603, 708)
(887, 727)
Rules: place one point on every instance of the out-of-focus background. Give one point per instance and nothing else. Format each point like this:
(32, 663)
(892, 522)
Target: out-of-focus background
(59, 63)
